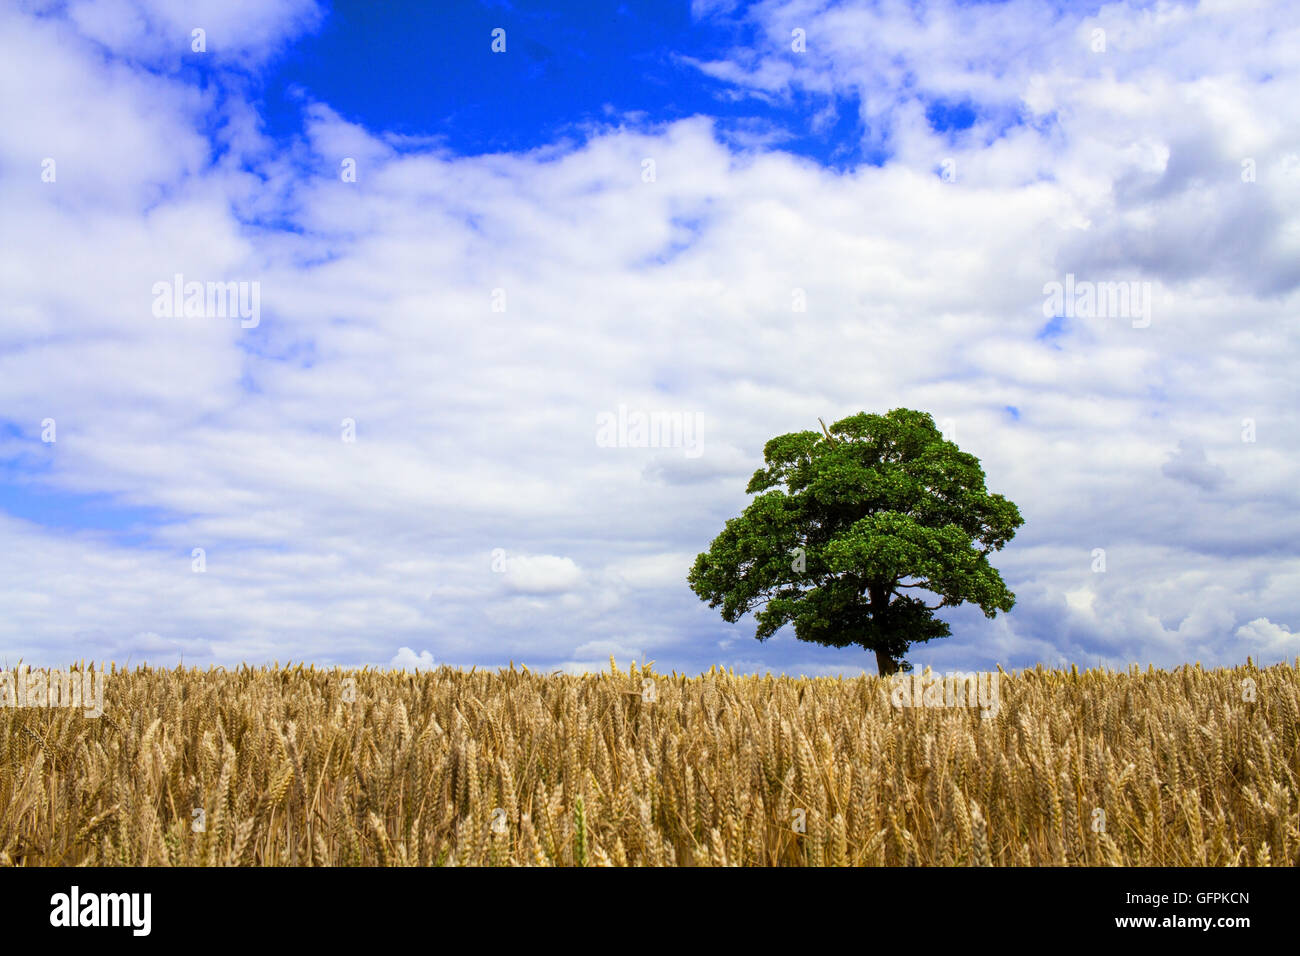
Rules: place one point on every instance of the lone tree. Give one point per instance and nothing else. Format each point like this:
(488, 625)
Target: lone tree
(846, 523)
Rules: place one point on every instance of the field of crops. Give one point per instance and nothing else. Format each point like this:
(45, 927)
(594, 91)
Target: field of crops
(302, 766)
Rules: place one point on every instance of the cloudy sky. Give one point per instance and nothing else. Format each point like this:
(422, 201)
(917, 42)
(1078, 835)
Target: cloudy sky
(458, 261)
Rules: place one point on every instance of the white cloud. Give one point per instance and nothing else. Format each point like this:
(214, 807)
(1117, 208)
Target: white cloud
(653, 570)
(407, 660)
(244, 31)
(541, 574)
(1080, 600)
(1272, 641)
(475, 429)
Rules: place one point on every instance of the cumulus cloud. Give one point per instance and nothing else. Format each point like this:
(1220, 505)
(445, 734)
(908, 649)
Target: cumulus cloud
(407, 660)
(1268, 640)
(241, 31)
(473, 428)
(541, 574)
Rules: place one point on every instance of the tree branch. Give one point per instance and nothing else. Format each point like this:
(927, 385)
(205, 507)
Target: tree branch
(829, 437)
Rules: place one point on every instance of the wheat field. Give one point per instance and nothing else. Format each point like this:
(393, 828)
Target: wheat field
(300, 766)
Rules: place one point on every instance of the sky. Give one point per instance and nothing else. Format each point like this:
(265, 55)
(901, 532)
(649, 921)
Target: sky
(462, 243)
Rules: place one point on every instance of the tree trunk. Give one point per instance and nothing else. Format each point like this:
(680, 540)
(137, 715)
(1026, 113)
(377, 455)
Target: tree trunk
(885, 663)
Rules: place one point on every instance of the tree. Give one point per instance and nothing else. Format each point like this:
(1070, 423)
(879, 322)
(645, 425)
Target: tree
(852, 528)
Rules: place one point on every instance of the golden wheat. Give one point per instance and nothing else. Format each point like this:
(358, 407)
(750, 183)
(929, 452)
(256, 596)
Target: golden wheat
(311, 767)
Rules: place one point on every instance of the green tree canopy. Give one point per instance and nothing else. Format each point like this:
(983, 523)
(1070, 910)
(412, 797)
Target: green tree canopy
(851, 528)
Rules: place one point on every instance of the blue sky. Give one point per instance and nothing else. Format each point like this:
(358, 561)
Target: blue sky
(748, 216)
(567, 70)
